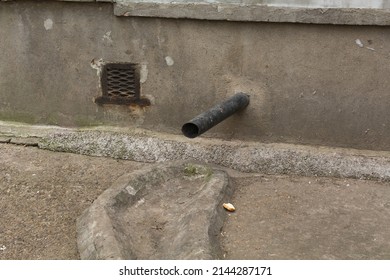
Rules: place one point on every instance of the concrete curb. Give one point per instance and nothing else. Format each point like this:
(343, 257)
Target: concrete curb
(145, 146)
(242, 156)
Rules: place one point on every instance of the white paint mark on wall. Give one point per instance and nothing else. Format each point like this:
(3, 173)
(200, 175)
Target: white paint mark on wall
(359, 43)
(143, 73)
(107, 37)
(169, 61)
(97, 64)
(160, 37)
(48, 24)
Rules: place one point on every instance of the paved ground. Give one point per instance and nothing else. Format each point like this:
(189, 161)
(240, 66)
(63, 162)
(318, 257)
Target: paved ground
(280, 217)
(42, 193)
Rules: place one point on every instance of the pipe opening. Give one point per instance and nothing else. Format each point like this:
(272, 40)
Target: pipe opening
(215, 115)
(190, 130)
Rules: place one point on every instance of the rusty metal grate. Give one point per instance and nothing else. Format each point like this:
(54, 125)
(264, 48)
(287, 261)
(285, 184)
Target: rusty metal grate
(120, 84)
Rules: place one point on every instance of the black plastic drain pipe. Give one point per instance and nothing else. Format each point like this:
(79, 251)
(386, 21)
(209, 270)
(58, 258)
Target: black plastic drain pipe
(215, 115)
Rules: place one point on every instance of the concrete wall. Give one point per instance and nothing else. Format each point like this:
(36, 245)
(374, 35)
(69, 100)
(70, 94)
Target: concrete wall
(310, 84)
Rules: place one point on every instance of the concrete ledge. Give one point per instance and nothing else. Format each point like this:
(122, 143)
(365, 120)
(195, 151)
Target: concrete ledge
(242, 156)
(259, 13)
(248, 12)
(146, 146)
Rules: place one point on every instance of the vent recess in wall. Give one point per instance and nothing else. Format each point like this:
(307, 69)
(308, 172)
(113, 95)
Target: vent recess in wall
(120, 83)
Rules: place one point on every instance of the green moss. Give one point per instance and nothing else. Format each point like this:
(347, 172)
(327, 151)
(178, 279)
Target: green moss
(194, 169)
(209, 173)
(190, 170)
(52, 119)
(82, 121)
(18, 117)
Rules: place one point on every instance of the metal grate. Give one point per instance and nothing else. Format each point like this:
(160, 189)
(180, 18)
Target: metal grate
(120, 84)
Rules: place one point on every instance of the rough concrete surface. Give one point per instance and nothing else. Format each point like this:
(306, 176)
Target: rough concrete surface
(4, 139)
(25, 141)
(169, 211)
(280, 217)
(243, 156)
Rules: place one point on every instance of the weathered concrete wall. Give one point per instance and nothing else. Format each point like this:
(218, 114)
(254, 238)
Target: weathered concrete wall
(310, 84)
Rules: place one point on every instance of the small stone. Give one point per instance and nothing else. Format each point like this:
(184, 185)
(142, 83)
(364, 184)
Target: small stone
(359, 43)
(229, 207)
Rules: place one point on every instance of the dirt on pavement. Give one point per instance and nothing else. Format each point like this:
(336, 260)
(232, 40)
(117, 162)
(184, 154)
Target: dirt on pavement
(41, 195)
(291, 217)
